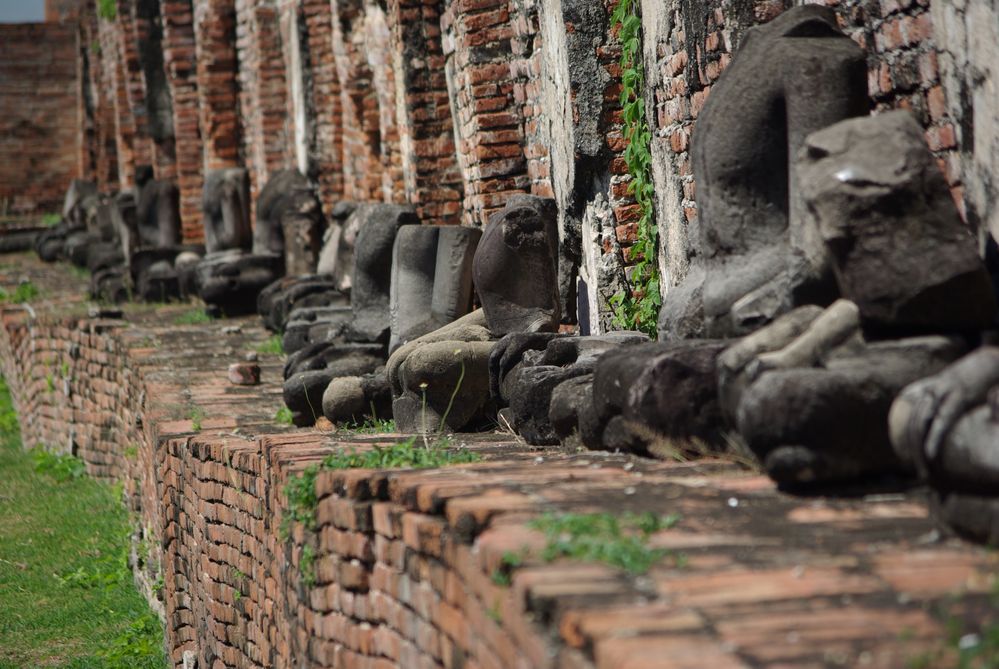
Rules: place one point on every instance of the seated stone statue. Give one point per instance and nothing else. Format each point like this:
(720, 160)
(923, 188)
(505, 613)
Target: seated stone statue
(900, 253)
(810, 395)
(230, 277)
(789, 77)
(946, 428)
(323, 296)
(289, 221)
(441, 379)
(431, 286)
(50, 244)
(361, 340)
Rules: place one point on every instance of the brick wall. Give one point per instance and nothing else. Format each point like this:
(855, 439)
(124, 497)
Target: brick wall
(39, 104)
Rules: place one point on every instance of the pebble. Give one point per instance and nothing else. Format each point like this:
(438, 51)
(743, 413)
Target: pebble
(244, 373)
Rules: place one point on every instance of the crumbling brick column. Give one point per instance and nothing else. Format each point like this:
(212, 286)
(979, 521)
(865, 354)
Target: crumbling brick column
(430, 167)
(482, 71)
(218, 90)
(262, 91)
(326, 151)
(148, 25)
(101, 117)
(124, 121)
(133, 84)
(372, 162)
(179, 53)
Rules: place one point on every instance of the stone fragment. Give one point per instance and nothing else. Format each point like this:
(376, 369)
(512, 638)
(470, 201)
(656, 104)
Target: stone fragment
(743, 272)
(657, 395)
(516, 267)
(244, 373)
(878, 202)
(459, 350)
(527, 387)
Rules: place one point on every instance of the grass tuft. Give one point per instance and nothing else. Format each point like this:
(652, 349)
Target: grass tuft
(271, 346)
(193, 317)
(25, 292)
(619, 541)
(284, 416)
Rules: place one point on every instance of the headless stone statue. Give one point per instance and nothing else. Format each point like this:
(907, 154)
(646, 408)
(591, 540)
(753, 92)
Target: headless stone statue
(431, 279)
(226, 209)
(516, 267)
(790, 77)
(289, 201)
(230, 277)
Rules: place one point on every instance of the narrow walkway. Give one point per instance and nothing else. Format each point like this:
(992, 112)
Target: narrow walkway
(406, 568)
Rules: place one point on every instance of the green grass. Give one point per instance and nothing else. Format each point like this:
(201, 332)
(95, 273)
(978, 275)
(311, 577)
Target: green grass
(619, 541)
(25, 292)
(67, 598)
(193, 317)
(408, 454)
(374, 426)
(273, 345)
(50, 220)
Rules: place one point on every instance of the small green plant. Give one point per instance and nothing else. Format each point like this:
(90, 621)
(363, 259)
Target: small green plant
(374, 426)
(308, 566)
(107, 9)
(638, 310)
(50, 382)
(25, 292)
(405, 454)
(502, 575)
(273, 345)
(495, 614)
(196, 416)
(284, 416)
(140, 646)
(193, 317)
(64, 370)
(95, 47)
(300, 491)
(131, 452)
(81, 273)
(620, 541)
(972, 646)
(60, 467)
(158, 585)
(50, 220)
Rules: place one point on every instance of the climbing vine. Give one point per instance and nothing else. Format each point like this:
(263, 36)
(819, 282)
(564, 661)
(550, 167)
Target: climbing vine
(638, 310)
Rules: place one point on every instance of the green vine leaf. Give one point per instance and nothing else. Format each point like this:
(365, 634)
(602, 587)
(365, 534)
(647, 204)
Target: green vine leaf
(637, 309)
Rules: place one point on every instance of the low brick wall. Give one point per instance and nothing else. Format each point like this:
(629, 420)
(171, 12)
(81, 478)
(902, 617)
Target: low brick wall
(398, 571)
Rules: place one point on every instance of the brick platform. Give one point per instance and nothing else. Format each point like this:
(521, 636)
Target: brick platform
(401, 563)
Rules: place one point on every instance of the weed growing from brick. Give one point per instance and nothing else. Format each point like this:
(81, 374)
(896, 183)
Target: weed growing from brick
(64, 542)
(300, 491)
(619, 541)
